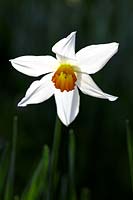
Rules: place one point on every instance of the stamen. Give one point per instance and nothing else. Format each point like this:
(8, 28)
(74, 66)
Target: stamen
(64, 78)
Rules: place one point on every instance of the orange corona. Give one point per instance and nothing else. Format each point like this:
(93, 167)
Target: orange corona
(64, 78)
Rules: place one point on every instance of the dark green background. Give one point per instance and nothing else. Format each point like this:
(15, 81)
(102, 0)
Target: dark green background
(30, 27)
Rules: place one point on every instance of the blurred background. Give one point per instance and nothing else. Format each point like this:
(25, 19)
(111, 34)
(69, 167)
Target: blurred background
(32, 27)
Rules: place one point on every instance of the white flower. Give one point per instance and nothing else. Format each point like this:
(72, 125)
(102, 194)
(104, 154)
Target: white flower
(65, 74)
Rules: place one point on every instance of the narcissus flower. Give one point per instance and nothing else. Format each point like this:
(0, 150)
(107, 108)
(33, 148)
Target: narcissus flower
(65, 74)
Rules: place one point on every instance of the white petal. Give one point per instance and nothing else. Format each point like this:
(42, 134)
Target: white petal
(89, 87)
(34, 65)
(93, 58)
(67, 105)
(38, 91)
(65, 48)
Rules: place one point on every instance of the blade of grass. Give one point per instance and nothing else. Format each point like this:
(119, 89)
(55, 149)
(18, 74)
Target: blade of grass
(72, 191)
(130, 152)
(54, 160)
(10, 178)
(38, 183)
(4, 163)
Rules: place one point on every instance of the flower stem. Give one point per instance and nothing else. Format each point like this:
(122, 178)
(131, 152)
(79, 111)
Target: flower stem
(130, 152)
(53, 176)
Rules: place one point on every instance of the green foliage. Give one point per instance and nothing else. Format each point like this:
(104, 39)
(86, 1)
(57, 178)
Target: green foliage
(45, 182)
(53, 173)
(38, 182)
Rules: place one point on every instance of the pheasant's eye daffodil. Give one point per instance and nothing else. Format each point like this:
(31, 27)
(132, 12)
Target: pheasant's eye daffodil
(65, 74)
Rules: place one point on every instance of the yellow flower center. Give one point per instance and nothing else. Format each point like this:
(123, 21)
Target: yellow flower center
(64, 78)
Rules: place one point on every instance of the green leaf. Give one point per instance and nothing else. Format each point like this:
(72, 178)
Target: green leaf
(38, 183)
(53, 174)
(10, 178)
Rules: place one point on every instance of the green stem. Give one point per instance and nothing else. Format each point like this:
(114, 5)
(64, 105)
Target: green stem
(54, 160)
(130, 153)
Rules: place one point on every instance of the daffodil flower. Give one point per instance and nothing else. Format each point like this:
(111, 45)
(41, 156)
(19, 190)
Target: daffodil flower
(65, 74)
